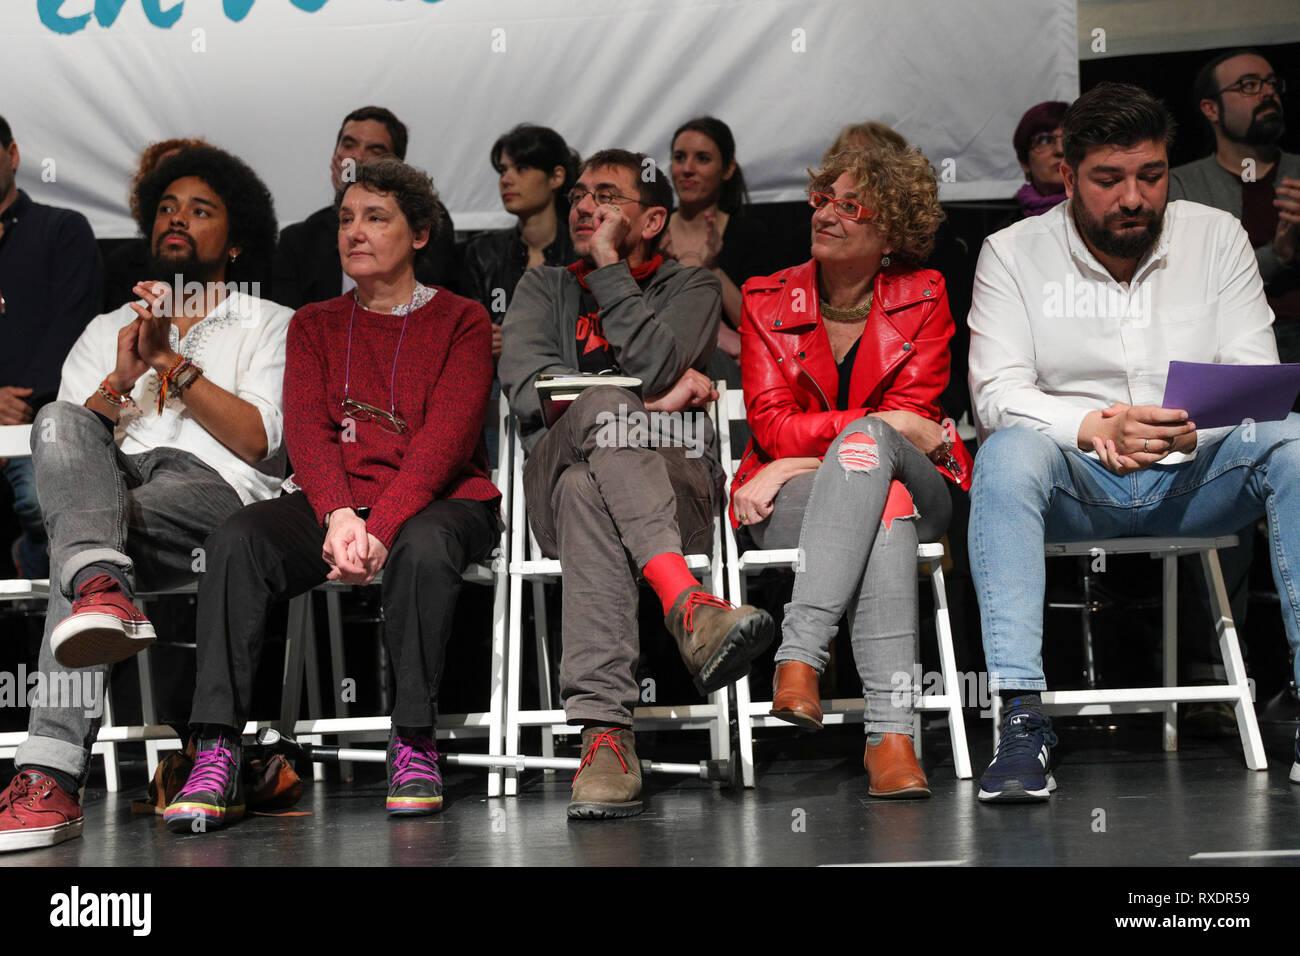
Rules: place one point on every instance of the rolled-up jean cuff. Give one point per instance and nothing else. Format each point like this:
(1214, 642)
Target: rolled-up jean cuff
(783, 655)
(878, 727)
(73, 566)
(54, 753)
(997, 686)
(585, 716)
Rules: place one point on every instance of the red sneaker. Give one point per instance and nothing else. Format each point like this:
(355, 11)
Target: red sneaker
(103, 628)
(35, 812)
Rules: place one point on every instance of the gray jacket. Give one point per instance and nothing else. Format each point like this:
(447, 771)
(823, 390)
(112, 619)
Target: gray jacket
(1208, 183)
(656, 335)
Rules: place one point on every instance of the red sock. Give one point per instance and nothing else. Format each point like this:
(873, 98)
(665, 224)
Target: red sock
(668, 574)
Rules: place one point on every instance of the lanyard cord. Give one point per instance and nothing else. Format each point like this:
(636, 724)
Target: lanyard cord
(392, 381)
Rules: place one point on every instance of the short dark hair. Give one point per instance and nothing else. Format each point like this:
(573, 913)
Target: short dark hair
(1113, 114)
(6, 134)
(655, 190)
(396, 128)
(411, 189)
(250, 210)
(539, 147)
(734, 196)
(1042, 118)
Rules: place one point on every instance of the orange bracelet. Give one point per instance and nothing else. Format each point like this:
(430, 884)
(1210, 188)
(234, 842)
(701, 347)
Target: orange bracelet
(165, 379)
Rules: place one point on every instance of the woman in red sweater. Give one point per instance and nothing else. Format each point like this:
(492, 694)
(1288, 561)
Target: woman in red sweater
(385, 389)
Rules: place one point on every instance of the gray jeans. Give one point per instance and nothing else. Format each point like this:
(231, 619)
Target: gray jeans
(854, 565)
(147, 513)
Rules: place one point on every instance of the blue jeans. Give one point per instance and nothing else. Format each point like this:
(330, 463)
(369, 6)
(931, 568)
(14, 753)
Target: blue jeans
(1028, 490)
(33, 547)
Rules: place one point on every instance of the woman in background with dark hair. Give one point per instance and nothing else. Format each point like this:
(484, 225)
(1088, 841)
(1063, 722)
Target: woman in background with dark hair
(535, 169)
(709, 228)
(1038, 149)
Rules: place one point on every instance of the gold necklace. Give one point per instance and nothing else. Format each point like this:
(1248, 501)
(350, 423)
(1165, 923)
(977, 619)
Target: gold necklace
(832, 314)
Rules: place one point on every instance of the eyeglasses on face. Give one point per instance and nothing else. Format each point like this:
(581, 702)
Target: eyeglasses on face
(1044, 141)
(844, 208)
(361, 412)
(602, 196)
(1252, 83)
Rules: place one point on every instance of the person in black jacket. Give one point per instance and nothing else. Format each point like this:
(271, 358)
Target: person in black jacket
(307, 259)
(535, 169)
(49, 289)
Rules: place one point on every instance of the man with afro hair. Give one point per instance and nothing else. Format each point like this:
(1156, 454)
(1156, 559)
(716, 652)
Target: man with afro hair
(168, 420)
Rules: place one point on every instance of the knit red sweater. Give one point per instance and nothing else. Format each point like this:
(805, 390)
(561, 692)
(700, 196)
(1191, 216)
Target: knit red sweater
(443, 380)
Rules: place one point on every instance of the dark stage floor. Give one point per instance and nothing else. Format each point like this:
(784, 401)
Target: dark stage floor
(1122, 801)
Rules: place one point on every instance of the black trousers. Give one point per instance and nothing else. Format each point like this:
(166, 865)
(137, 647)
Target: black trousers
(271, 551)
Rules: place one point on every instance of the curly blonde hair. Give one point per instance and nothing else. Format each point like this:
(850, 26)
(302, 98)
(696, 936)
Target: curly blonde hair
(899, 187)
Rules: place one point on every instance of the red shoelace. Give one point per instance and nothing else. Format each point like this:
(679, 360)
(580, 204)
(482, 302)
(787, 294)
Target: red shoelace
(605, 739)
(695, 599)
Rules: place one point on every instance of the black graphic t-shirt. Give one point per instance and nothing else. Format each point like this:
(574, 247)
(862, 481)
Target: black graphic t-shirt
(595, 354)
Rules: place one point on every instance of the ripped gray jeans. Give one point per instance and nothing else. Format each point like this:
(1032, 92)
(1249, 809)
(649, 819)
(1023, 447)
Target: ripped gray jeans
(855, 565)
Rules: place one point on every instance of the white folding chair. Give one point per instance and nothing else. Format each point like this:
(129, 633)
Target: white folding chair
(1165, 699)
(528, 565)
(740, 567)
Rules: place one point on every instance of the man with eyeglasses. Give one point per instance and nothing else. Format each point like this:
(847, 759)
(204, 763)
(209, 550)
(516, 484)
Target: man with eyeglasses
(612, 511)
(1239, 94)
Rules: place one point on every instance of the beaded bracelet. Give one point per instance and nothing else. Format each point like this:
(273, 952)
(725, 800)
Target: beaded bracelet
(107, 393)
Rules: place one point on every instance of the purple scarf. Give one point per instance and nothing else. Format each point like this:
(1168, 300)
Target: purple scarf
(1034, 203)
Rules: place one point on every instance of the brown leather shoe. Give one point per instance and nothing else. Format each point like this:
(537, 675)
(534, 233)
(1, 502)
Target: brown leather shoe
(794, 695)
(608, 782)
(893, 770)
(717, 641)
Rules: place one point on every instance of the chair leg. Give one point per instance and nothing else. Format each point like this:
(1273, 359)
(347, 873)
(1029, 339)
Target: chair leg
(1251, 743)
(514, 642)
(294, 641)
(148, 709)
(497, 681)
(951, 684)
(112, 775)
(543, 641)
(1169, 645)
(338, 669)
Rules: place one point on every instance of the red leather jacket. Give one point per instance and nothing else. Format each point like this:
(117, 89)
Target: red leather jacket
(791, 378)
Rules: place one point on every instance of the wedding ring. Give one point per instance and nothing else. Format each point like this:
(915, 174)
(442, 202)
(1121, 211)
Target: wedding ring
(1145, 441)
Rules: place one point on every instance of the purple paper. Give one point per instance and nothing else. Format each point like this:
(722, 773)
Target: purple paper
(1226, 395)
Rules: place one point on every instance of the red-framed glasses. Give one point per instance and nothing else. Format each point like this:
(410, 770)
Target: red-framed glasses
(844, 208)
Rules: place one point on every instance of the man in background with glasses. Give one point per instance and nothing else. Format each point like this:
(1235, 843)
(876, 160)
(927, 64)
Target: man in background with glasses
(613, 510)
(1240, 96)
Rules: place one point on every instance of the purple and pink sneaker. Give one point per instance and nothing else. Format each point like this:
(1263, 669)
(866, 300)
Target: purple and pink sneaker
(214, 794)
(414, 783)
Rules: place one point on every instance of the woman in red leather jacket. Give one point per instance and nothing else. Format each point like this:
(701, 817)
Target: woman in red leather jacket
(843, 360)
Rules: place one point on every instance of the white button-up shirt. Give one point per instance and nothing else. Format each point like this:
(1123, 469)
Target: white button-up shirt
(240, 347)
(1053, 336)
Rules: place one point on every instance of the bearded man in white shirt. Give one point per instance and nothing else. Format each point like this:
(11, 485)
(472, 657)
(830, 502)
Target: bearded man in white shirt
(1075, 317)
(168, 421)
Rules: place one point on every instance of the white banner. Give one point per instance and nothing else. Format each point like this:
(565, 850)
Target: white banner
(88, 83)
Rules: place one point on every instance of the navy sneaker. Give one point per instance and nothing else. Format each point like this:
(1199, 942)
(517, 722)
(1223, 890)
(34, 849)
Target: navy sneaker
(1295, 767)
(1021, 767)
